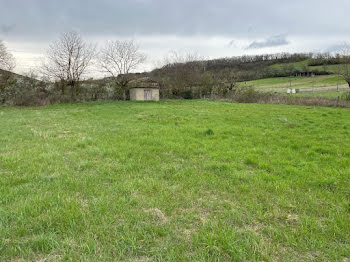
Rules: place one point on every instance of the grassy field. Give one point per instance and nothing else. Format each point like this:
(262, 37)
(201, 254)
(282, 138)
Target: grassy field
(325, 94)
(278, 83)
(174, 181)
(319, 86)
(302, 64)
(299, 65)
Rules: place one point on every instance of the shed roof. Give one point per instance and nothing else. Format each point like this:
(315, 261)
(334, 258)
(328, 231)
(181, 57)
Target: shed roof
(144, 82)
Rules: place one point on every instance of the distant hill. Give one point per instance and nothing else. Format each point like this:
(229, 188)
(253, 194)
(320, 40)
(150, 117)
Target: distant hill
(6, 75)
(260, 66)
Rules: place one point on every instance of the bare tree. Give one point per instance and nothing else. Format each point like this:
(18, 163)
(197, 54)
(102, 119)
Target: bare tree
(181, 57)
(185, 71)
(119, 59)
(68, 59)
(229, 77)
(345, 57)
(7, 61)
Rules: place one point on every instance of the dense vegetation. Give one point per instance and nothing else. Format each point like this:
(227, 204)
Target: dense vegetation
(174, 181)
(203, 77)
(261, 66)
(186, 79)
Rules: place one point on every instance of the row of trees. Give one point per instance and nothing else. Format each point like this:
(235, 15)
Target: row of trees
(69, 59)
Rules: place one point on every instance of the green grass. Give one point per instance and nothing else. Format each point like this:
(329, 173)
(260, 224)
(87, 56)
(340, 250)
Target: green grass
(284, 81)
(305, 63)
(296, 82)
(279, 84)
(174, 181)
(329, 68)
(326, 94)
(299, 65)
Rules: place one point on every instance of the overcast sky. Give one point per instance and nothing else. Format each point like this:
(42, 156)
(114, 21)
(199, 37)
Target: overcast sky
(220, 28)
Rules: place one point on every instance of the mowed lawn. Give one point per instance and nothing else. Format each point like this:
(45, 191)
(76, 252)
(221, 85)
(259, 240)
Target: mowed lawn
(174, 181)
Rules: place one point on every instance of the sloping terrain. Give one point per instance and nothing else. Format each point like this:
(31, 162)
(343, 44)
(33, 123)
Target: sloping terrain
(174, 181)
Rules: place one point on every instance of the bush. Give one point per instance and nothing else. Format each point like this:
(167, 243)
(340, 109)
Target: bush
(209, 132)
(23, 92)
(248, 95)
(26, 91)
(346, 96)
(187, 94)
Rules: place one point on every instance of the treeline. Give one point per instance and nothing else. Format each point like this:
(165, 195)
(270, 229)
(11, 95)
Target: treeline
(28, 91)
(69, 59)
(282, 71)
(247, 62)
(258, 66)
(255, 61)
(326, 59)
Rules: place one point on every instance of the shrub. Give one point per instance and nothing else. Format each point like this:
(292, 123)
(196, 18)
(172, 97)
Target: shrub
(187, 94)
(248, 95)
(346, 96)
(209, 132)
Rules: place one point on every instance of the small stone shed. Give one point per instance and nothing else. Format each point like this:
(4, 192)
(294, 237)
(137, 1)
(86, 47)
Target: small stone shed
(144, 89)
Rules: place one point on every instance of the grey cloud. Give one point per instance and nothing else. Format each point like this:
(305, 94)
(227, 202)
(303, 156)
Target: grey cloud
(278, 40)
(162, 25)
(7, 28)
(232, 18)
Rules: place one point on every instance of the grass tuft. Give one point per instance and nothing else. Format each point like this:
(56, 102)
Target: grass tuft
(209, 132)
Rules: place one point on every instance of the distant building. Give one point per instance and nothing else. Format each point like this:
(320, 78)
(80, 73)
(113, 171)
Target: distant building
(144, 89)
(293, 91)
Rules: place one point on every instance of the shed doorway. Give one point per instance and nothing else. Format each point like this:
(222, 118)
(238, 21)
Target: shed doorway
(148, 95)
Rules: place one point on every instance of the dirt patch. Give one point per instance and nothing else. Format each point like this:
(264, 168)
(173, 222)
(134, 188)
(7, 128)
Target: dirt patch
(292, 219)
(157, 213)
(141, 259)
(49, 258)
(187, 234)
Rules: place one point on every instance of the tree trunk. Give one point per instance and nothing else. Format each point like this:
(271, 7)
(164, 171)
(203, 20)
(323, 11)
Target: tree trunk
(63, 87)
(124, 94)
(73, 91)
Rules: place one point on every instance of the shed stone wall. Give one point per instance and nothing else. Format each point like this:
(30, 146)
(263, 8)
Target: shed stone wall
(138, 94)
